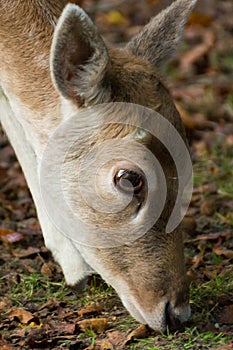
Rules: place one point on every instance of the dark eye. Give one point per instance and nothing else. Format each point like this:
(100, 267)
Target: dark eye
(127, 180)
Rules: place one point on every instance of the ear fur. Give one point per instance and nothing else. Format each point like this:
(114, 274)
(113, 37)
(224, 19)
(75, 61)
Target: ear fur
(79, 57)
(159, 39)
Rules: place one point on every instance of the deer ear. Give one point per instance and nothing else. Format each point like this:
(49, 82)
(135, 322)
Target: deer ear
(79, 58)
(159, 39)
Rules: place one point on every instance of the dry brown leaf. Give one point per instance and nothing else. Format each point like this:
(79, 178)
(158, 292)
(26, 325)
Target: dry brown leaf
(223, 251)
(106, 345)
(213, 236)
(90, 310)
(98, 325)
(117, 338)
(25, 253)
(9, 236)
(63, 327)
(22, 315)
(47, 269)
(138, 333)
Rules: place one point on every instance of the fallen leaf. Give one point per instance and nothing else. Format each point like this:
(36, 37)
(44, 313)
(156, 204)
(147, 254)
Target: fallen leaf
(63, 327)
(106, 345)
(117, 338)
(9, 236)
(138, 333)
(22, 315)
(90, 310)
(223, 251)
(47, 269)
(214, 236)
(98, 325)
(25, 253)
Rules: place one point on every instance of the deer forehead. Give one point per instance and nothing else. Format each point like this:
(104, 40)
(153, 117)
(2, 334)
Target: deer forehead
(133, 79)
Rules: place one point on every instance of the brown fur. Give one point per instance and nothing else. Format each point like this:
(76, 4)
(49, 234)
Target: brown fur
(32, 83)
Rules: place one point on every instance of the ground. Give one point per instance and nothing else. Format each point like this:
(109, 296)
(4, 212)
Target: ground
(37, 309)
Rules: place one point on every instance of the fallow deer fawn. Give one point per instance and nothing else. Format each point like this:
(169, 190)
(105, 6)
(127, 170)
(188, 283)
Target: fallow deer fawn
(53, 63)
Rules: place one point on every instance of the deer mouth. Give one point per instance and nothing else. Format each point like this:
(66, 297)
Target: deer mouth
(162, 316)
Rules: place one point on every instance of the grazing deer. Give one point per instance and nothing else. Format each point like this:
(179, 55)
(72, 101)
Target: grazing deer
(53, 63)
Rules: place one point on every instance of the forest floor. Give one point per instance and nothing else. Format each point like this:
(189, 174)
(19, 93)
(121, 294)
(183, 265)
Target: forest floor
(37, 309)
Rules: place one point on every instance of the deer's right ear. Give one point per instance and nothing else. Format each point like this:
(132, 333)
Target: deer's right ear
(159, 39)
(79, 58)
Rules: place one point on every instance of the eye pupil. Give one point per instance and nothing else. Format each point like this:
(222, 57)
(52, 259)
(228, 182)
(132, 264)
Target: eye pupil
(126, 180)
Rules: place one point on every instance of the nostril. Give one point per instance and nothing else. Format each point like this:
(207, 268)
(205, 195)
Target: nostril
(171, 320)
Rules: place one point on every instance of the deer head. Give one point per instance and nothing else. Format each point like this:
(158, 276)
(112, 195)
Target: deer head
(148, 273)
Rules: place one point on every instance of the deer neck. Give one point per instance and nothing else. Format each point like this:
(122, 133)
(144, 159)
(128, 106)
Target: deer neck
(25, 77)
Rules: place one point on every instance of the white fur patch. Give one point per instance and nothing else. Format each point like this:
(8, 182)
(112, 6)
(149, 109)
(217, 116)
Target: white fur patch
(64, 252)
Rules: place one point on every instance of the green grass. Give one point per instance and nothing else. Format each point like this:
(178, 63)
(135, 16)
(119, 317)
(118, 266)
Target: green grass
(190, 339)
(202, 293)
(38, 288)
(129, 323)
(206, 297)
(89, 334)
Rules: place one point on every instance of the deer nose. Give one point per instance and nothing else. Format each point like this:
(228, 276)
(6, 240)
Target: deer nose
(171, 320)
(174, 320)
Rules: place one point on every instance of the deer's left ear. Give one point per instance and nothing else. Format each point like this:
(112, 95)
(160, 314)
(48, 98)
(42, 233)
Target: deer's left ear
(79, 58)
(159, 39)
